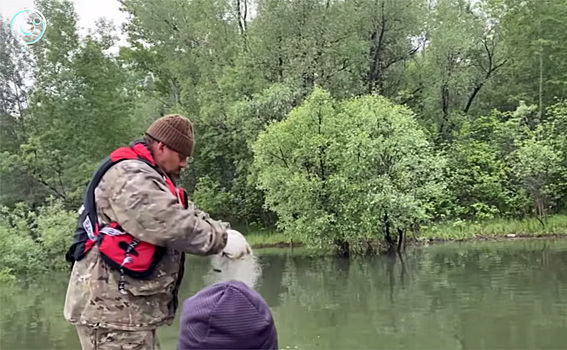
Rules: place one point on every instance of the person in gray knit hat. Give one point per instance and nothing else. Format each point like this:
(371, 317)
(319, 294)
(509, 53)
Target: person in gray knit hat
(227, 315)
(133, 231)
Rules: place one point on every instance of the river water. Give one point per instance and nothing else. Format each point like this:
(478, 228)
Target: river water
(483, 295)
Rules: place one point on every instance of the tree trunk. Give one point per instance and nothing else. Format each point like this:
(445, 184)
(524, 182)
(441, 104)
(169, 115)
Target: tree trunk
(343, 248)
(541, 83)
(400, 240)
(242, 19)
(388, 237)
(374, 78)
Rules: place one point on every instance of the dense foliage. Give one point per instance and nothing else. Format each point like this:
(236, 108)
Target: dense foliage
(381, 114)
(332, 170)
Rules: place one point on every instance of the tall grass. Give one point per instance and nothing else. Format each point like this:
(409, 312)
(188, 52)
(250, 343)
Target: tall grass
(456, 230)
(495, 228)
(267, 238)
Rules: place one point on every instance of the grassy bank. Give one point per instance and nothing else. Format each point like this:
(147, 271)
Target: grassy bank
(268, 240)
(455, 231)
(497, 228)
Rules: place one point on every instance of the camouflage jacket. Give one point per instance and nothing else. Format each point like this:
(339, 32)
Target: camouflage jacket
(136, 196)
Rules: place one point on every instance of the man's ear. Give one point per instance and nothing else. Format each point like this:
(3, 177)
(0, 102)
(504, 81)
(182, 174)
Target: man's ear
(161, 147)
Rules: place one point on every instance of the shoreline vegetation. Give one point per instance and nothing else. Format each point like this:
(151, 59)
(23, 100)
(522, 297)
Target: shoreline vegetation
(35, 243)
(458, 231)
(350, 134)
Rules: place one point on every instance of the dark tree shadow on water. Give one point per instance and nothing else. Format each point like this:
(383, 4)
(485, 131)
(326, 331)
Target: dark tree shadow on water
(395, 249)
(391, 261)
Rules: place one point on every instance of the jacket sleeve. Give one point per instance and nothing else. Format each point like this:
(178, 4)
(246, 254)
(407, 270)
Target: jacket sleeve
(137, 197)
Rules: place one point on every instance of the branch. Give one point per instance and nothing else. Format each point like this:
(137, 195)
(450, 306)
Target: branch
(413, 93)
(400, 58)
(479, 86)
(172, 25)
(489, 53)
(473, 96)
(373, 73)
(500, 64)
(245, 13)
(160, 100)
(59, 172)
(322, 162)
(282, 158)
(344, 65)
(39, 178)
(18, 100)
(239, 15)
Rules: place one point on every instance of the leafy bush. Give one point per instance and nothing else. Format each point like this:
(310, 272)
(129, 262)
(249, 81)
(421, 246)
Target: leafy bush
(332, 170)
(20, 253)
(55, 227)
(32, 242)
(211, 198)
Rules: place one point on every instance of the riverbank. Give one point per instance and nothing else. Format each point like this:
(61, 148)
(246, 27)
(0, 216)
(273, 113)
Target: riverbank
(259, 240)
(495, 229)
(458, 231)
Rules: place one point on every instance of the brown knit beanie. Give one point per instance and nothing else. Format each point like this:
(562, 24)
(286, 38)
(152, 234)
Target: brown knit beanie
(175, 131)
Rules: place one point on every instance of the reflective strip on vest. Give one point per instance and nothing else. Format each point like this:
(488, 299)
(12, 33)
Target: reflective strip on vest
(89, 228)
(111, 231)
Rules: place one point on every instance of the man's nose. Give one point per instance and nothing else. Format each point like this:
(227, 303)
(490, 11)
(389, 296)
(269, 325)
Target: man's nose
(183, 163)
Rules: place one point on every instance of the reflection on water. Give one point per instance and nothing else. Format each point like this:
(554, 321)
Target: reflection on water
(246, 269)
(452, 296)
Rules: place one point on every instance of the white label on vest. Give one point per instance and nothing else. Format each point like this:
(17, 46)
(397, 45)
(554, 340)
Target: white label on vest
(89, 228)
(111, 231)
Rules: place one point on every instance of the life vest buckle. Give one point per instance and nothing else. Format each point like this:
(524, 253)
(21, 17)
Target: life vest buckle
(121, 283)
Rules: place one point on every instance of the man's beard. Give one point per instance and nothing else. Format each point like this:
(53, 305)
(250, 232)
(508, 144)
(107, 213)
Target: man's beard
(175, 177)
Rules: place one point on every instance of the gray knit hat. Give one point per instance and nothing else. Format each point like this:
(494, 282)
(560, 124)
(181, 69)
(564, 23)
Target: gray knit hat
(175, 131)
(227, 315)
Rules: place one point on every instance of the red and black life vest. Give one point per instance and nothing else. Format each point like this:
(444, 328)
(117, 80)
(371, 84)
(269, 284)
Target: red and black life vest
(119, 249)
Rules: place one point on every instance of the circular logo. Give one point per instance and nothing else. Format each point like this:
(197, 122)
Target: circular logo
(28, 26)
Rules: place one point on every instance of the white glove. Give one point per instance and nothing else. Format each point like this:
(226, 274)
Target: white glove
(236, 245)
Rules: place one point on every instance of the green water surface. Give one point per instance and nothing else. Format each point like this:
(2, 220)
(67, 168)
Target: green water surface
(489, 295)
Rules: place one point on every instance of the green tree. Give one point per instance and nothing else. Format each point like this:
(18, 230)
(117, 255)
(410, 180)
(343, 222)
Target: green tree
(393, 32)
(554, 133)
(15, 86)
(538, 166)
(183, 46)
(225, 173)
(332, 170)
(534, 36)
(34, 241)
(80, 108)
(477, 176)
(463, 53)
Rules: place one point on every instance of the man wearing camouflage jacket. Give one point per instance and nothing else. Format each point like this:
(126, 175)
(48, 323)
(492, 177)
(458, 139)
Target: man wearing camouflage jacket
(136, 196)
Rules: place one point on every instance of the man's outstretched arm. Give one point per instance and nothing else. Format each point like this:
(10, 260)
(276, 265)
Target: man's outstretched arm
(137, 197)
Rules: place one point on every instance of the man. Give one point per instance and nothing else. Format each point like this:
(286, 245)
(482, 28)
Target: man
(227, 315)
(134, 228)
